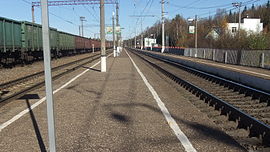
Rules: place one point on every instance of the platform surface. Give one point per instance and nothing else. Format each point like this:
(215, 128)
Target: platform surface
(113, 111)
(253, 71)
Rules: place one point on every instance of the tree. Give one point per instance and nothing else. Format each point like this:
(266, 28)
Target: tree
(252, 7)
(258, 41)
(231, 17)
(244, 12)
(177, 30)
(224, 24)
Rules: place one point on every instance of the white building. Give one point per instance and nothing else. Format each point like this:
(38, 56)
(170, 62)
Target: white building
(148, 42)
(250, 25)
(214, 33)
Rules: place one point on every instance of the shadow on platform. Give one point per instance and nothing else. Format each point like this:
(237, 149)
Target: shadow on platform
(120, 117)
(200, 128)
(28, 97)
(93, 69)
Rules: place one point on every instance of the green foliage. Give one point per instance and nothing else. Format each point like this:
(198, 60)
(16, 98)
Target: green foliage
(258, 41)
(177, 30)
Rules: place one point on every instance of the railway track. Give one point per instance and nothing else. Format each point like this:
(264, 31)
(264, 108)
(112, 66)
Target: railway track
(19, 87)
(225, 100)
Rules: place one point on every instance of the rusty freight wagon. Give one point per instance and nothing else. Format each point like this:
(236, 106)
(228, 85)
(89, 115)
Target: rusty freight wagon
(82, 44)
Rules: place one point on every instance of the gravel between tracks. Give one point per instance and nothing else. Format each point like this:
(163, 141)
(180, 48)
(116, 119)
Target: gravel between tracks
(252, 144)
(18, 71)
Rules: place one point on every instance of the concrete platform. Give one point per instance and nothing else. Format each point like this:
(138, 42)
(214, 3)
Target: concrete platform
(251, 76)
(113, 111)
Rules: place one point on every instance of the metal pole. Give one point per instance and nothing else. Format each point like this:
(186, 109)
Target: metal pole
(135, 44)
(117, 24)
(141, 35)
(114, 51)
(262, 60)
(226, 57)
(196, 35)
(237, 4)
(239, 17)
(48, 74)
(82, 28)
(82, 20)
(163, 26)
(239, 22)
(79, 30)
(102, 36)
(33, 14)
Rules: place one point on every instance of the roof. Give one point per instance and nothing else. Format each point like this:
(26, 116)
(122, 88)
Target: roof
(218, 30)
(214, 32)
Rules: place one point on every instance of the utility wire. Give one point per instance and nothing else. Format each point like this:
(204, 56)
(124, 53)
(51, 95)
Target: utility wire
(95, 18)
(59, 17)
(52, 14)
(148, 2)
(209, 7)
(231, 8)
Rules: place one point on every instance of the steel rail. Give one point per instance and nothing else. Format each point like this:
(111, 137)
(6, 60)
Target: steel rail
(255, 127)
(19, 94)
(23, 79)
(247, 90)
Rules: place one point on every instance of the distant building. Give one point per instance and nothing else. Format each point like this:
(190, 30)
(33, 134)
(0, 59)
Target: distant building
(250, 25)
(214, 33)
(149, 42)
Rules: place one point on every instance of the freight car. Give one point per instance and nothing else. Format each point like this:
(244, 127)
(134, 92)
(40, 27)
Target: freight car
(21, 42)
(81, 44)
(10, 40)
(96, 44)
(66, 44)
(31, 34)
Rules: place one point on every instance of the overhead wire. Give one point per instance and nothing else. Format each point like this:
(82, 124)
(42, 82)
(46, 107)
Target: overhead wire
(95, 17)
(148, 8)
(148, 2)
(59, 17)
(52, 14)
(209, 7)
(231, 7)
(223, 6)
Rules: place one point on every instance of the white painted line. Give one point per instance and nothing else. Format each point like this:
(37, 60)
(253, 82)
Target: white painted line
(18, 116)
(172, 123)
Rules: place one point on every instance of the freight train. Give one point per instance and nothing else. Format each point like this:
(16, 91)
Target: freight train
(21, 42)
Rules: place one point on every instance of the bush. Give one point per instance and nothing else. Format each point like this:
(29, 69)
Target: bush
(258, 41)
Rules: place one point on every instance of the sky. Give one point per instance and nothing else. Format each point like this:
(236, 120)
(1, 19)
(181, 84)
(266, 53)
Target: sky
(66, 18)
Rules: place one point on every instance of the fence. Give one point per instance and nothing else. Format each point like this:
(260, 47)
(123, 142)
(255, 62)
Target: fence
(253, 58)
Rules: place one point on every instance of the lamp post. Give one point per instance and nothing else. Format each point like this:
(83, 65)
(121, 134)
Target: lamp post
(82, 19)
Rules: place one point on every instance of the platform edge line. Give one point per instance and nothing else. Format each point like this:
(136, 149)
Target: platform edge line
(18, 116)
(172, 123)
